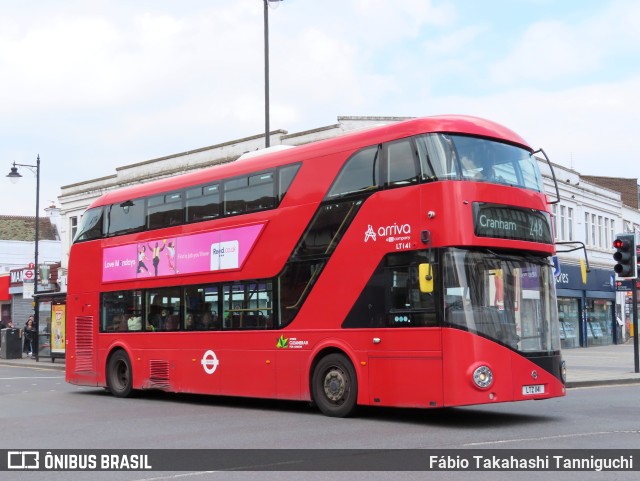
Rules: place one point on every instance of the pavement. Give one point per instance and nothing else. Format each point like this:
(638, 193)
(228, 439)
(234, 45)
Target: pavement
(591, 366)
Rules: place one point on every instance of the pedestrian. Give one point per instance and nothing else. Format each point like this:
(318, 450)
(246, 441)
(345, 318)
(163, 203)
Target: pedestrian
(29, 335)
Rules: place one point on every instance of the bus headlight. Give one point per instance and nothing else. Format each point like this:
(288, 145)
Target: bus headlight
(563, 371)
(483, 377)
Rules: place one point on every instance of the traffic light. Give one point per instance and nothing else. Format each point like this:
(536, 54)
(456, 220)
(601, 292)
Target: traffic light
(625, 255)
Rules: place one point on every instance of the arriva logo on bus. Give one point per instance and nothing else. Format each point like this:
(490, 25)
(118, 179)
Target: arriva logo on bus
(400, 234)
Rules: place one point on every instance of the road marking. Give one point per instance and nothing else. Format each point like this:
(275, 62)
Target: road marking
(545, 438)
(175, 476)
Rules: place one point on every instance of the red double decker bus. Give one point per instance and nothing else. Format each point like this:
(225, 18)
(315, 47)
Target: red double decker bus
(406, 265)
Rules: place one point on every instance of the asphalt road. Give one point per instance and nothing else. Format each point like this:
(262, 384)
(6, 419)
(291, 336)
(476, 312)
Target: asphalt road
(40, 411)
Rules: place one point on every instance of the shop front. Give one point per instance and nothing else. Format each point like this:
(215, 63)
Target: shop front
(586, 307)
(5, 297)
(52, 321)
(49, 303)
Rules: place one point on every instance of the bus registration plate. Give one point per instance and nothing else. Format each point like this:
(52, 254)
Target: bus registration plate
(534, 389)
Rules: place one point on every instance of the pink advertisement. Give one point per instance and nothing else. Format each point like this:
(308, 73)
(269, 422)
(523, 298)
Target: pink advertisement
(208, 251)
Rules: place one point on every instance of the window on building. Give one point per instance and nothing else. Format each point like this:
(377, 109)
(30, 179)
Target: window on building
(601, 242)
(586, 228)
(563, 223)
(73, 226)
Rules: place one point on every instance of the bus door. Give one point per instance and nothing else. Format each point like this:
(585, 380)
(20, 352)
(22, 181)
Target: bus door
(405, 356)
(247, 368)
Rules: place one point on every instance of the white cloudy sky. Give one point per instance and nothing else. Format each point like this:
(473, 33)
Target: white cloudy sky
(91, 85)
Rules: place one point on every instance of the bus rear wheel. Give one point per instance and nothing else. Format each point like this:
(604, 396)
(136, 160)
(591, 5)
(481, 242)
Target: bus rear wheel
(119, 374)
(335, 386)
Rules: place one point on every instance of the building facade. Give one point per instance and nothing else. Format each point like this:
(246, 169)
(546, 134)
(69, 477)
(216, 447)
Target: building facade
(17, 255)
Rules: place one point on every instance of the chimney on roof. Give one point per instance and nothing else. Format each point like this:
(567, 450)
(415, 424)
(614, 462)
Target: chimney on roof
(54, 216)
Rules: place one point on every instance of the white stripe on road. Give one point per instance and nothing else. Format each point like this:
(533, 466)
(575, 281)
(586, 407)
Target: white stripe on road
(546, 438)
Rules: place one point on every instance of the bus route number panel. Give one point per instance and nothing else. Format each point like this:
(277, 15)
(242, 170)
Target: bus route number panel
(505, 222)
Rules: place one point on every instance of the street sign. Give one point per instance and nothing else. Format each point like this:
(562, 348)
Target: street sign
(27, 290)
(624, 285)
(28, 275)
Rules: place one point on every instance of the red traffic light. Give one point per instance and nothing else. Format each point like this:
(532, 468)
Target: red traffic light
(620, 244)
(625, 256)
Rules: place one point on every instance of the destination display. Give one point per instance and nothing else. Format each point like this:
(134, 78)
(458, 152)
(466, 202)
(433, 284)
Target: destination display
(504, 222)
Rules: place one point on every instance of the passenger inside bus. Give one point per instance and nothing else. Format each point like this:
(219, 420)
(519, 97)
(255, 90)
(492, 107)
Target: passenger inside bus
(474, 170)
(172, 323)
(134, 323)
(206, 323)
(189, 323)
(117, 324)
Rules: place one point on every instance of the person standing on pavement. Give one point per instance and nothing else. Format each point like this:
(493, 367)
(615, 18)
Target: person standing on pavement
(29, 335)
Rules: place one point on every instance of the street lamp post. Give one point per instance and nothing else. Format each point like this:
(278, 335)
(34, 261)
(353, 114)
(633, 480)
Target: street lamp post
(267, 3)
(14, 176)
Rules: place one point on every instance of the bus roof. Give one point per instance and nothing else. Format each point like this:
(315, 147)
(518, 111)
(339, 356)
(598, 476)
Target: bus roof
(349, 141)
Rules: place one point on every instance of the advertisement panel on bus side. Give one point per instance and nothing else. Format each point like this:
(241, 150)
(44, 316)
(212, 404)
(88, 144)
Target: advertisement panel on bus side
(208, 251)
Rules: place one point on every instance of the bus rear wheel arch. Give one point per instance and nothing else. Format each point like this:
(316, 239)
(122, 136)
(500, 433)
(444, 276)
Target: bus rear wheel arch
(334, 385)
(119, 374)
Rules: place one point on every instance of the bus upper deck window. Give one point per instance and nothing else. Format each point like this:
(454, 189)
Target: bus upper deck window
(401, 163)
(359, 174)
(90, 225)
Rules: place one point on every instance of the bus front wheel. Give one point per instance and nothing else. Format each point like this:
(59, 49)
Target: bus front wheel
(335, 386)
(119, 374)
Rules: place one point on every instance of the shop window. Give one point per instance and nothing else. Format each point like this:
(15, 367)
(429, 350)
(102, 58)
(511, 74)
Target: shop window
(599, 324)
(569, 316)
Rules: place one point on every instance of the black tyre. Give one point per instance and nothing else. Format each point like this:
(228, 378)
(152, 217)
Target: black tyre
(119, 374)
(334, 386)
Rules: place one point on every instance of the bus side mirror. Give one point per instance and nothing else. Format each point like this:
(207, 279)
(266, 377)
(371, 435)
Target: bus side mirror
(425, 275)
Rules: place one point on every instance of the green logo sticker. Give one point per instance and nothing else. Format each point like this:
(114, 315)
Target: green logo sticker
(283, 343)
